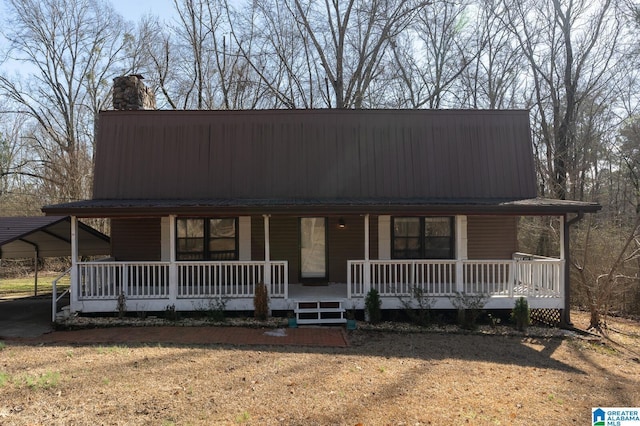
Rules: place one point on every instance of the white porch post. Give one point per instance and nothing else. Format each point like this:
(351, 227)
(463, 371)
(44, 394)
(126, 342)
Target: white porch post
(75, 278)
(173, 267)
(267, 255)
(384, 237)
(244, 240)
(461, 251)
(563, 254)
(367, 264)
(563, 220)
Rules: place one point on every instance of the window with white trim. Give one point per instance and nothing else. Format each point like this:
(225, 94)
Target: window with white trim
(430, 237)
(206, 239)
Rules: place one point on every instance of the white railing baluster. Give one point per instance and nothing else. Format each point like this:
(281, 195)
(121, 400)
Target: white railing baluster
(230, 279)
(513, 278)
(106, 280)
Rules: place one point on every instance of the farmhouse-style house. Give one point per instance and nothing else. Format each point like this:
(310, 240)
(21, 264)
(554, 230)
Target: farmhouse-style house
(320, 205)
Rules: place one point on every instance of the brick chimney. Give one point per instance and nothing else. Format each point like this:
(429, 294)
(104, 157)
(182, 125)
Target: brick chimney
(129, 92)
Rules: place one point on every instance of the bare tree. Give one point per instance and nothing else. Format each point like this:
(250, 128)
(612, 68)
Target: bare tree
(276, 55)
(70, 49)
(193, 61)
(195, 29)
(603, 281)
(331, 50)
(495, 78)
(571, 48)
(433, 54)
(351, 42)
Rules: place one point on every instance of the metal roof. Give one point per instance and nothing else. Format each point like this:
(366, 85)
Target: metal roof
(315, 154)
(50, 235)
(305, 161)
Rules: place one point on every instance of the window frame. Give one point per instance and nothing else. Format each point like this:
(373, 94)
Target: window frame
(423, 238)
(206, 255)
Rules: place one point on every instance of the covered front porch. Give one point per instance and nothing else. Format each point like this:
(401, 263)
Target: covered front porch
(191, 286)
(110, 284)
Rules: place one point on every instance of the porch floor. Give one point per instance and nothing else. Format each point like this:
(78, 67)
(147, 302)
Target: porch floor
(333, 291)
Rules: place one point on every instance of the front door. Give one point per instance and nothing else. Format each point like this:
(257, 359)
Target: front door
(313, 248)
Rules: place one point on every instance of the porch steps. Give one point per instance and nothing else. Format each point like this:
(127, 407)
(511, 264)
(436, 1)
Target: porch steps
(320, 312)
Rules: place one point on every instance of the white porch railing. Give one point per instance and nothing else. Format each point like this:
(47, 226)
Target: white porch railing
(108, 280)
(396, 277)
(230, 279)
(55, 298)
(513, 278)
(152, 280)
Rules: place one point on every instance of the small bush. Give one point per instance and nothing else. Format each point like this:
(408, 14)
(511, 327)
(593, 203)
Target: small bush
(521, 314)
(217, 309)
(171, 314)
(261, 302)
(420, 313)
(469, 307)
(372, 304)
(121, 305)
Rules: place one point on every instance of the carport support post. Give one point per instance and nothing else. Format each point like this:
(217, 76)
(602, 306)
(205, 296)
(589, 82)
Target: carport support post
(35, 267)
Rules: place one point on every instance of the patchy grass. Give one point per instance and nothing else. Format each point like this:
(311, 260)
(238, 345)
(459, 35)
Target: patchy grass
(46, 380)
(24, 286)
(4, 378)
(381, 378)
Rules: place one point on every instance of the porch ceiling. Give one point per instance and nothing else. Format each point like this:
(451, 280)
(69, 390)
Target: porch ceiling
(140, 207)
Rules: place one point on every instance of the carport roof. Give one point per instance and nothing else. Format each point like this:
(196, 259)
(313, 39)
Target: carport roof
(20, 237)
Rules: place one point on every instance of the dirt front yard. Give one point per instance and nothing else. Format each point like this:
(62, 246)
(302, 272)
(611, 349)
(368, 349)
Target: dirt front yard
(381, 378)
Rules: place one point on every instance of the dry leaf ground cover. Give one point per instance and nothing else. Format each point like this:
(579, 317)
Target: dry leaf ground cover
(381, 378)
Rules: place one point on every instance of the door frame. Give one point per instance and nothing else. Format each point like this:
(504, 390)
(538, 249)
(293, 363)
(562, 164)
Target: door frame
(319, 279)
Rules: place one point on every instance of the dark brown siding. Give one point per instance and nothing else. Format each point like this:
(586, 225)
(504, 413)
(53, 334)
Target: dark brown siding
(284, 244)
(344, 244)
(136, 239)
(373, 238)
(314, 154)
(348, 244)
(491, 237)
(257, 238)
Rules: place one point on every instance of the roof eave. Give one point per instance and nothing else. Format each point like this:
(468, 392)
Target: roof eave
(520, 207)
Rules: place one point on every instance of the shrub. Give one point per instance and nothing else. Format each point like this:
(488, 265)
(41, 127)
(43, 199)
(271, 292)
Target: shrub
(121, 305)
(261, 302)
(372, 304)
(421, 313)
(217, 309)
(170, 313)
(521, 314)
(469, 307)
